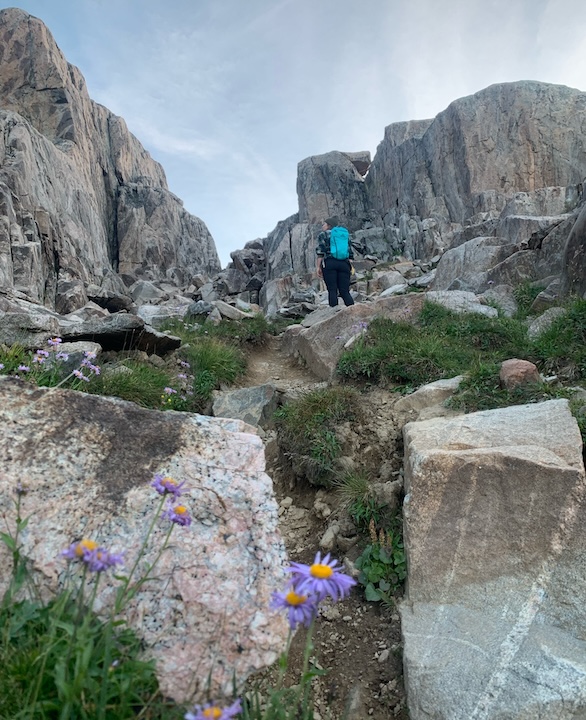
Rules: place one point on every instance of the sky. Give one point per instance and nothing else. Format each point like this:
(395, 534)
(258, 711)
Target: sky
(230, 95)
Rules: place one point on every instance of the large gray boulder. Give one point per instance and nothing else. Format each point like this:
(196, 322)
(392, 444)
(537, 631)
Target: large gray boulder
(495, 533)
(79, 196)
(205, 618)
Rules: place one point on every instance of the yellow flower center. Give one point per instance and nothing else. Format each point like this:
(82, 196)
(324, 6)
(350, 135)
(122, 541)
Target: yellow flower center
(180, 510)
(318, 570)
(293, 598)
(85, 545)
(212, 712)
(169, 481)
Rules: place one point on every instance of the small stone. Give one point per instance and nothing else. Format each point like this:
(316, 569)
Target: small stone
(384, 656)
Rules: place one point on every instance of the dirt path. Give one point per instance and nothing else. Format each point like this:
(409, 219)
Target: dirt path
(358, 643)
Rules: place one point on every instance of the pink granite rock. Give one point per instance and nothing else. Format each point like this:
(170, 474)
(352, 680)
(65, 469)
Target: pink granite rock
(88, 461)
(516, 372)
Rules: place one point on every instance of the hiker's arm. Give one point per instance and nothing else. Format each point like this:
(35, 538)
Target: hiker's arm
(321, 251)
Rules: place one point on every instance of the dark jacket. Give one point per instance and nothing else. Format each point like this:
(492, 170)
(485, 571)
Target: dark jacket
(323, 245)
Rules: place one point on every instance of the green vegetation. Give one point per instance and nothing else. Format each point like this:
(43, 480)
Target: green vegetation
(306, 430)
(203, 364)
(481, 390)
(524, 295)
(356, 496)
(561, 349)
(382, 564)
(249, 331)
(442, 344)
(59, 659)
(132, 380)
(445, 344)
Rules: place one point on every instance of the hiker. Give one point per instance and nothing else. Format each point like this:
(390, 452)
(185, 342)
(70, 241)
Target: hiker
(334, 256)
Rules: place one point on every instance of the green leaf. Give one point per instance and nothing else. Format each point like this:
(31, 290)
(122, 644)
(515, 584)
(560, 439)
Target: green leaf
(8, 541)
(371, 593)
(385, 557)
(399, 557)
(384, 585)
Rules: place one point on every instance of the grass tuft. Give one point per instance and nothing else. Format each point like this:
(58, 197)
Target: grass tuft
(306, 431)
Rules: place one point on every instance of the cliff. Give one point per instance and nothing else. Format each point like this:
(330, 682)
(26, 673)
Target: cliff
(81, 201)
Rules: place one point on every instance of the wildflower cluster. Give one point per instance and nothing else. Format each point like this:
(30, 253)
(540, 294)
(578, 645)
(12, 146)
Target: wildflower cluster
(88, 365)
(176, 397)
(171, 490)
(45, 366)
(360, 327)
(310, 584)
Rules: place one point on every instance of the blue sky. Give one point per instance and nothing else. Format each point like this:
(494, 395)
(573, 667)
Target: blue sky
(229, 95)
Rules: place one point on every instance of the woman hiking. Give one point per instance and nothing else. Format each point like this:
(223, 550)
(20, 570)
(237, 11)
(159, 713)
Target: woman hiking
(334, 256)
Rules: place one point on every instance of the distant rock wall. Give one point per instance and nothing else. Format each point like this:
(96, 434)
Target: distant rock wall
(507, 138)
(80, 198)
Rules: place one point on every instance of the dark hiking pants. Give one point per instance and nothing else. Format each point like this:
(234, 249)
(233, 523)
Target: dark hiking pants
(337, 279)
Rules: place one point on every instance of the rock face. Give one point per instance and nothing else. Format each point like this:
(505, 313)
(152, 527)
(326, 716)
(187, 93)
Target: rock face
(80, 198)
(507, 138)
(89, 477)
(495, 530)
(574, 266)
(330, 185)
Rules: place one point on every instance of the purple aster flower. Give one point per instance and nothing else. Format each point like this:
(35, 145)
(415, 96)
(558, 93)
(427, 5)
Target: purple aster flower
(62, 356)
(101, 559)
(23, 368)
(166, 485)
(211, 711)
(96, 558)
(53, 342)
(169, 391)
(1, 366)
(301, 609)
(182, 376)
(40, 356)
(321, 579)
(177, 514)
(184, 364)
(80, 376)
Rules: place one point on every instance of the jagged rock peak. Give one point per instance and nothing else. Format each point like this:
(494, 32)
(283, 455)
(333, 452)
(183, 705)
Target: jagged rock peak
(80, 198)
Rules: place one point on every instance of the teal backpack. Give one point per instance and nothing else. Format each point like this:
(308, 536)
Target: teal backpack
(339, 243)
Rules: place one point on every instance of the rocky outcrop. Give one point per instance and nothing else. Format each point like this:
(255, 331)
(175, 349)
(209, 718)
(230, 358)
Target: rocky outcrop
(89, 477)
(321, 342)
(331, 184)
(507, 138)
(80, 198)
(495, 517)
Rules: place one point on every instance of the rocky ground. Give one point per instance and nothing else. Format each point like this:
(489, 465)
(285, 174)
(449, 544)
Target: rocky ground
(357, 642)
